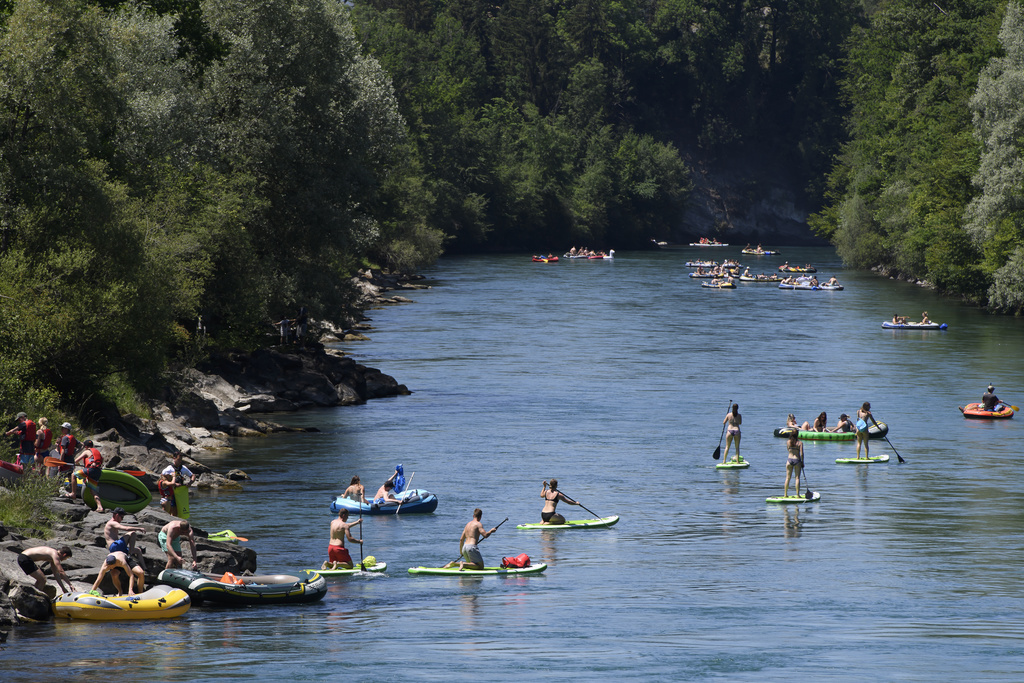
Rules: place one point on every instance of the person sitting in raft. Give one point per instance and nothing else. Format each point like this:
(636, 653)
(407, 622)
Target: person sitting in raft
(845, 426)
(989, 401)
(899, 319)
(832, 282)
(814, 281)
(791, 421)
(925, 319)
(820, 423)
(551, 496)
(355, 491)
(784, 266)
(794, 461)
(746, 272)
(337, 553)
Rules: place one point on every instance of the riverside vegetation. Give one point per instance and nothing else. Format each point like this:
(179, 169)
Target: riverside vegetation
(176, 175)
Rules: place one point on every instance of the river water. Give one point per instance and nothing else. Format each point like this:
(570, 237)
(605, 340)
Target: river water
(614, 377)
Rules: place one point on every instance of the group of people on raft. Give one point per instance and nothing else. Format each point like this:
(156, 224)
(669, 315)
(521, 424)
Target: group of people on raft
(812, 281)
(904, 319)
(338, 556)
(584, 252)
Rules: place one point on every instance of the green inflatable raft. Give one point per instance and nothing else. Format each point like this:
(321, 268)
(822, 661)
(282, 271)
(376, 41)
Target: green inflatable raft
(874, 432)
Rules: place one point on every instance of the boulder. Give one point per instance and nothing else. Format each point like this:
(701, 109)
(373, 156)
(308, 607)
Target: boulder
(31, 602)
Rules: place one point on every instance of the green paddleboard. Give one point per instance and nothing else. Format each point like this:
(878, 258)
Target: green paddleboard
(863, 461)
(379, 567)
(574, 524)
(794, 499)
(486, 571)
(741, 465)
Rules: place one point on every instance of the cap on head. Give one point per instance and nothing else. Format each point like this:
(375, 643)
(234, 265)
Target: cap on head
(22, 416)
(843, 416)
(66, 425)
(991, 388)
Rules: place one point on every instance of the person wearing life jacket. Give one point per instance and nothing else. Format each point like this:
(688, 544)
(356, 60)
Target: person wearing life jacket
(92, 463)
(26, 431)
(44, 440)
(66, 447)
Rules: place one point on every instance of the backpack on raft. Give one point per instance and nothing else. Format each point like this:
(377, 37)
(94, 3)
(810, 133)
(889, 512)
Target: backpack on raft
(517, 562)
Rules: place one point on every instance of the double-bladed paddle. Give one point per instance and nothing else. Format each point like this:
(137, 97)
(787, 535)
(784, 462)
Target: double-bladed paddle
(718, 451)
(407, 493)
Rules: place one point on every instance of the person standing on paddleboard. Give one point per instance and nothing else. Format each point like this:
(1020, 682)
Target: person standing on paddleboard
(551, 496)
(794, 462)
(863, 415)
(471, 535)
(732, 432)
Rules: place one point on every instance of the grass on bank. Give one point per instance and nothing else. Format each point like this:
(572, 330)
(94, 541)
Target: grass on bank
(24, 503)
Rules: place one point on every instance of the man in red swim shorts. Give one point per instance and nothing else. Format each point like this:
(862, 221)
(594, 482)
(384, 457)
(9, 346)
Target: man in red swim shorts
(337, 553)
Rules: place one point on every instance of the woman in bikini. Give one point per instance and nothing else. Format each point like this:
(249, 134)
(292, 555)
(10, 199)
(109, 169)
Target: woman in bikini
(551, 496)
(794, 462)
(732, 432)
(355, 491)
(821, 423)
(863, 415)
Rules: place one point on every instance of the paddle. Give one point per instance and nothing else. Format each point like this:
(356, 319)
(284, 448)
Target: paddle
(808, 493)
(50, 461)
(582, 506)
(898, 456)
(718, 451)
(407, 493)
(480, 541)
(362, 565)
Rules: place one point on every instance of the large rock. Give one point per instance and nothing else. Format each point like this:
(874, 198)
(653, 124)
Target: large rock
(31, 602)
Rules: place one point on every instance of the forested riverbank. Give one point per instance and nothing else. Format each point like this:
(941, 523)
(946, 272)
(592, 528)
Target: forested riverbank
(176, 177)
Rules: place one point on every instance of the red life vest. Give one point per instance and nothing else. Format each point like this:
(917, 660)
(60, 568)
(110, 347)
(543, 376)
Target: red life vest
(68, 454)
(47, 440)
(30, 431)
(94, 459)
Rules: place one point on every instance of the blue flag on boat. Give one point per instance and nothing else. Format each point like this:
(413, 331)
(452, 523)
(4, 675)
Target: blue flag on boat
(399, 480)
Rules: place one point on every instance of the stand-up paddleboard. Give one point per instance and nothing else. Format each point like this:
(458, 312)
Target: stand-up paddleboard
(794, 499)
(486, 571)
(117, 489)
(863, 461)
(181, 501)
(741, 465)
(226, 536)
(575, 524)
(378, 567)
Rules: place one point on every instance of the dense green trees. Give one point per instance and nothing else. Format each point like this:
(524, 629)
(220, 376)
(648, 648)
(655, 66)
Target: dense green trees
(922, 186)
(143, 184)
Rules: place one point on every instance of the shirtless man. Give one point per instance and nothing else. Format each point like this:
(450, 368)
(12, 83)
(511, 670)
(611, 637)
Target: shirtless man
(44, 554)
(125, 543)
(386, 492)
(337, 553)
(551, 496)
(170, 542)
(120, 560)
(471, 535)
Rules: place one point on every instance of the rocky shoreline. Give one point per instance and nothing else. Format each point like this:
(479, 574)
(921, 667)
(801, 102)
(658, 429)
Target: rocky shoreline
(208, 405)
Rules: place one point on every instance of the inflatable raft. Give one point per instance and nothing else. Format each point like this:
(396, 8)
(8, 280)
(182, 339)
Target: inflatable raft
(117, 489)
(708, 244)
(159, 602)
(771, 278)
(806, 435)
(415, 500)
(701, 264)
(545, 259)
(798, 269)
(763, 252)
(977, 412)
(307, 586)
(9, 471)
(813, 288)
(914, 326)
(718, 285)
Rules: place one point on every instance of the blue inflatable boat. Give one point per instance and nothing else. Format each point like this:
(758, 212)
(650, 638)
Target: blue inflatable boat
(415, 500)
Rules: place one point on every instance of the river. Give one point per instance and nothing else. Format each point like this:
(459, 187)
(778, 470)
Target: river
(614, 377)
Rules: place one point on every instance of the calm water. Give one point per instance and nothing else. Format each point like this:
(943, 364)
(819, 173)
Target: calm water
(614, 377)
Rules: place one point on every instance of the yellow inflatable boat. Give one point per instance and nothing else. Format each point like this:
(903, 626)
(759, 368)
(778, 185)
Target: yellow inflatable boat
(159, 602)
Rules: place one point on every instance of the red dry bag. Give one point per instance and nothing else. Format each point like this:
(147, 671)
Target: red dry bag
(519, 561)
